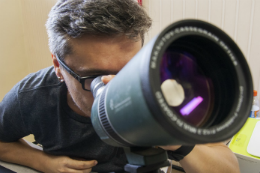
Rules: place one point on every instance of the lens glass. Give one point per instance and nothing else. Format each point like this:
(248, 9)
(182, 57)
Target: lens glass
(186, 88)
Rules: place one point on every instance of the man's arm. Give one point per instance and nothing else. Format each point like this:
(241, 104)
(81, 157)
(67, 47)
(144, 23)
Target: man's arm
(213, 158)
(21, 153)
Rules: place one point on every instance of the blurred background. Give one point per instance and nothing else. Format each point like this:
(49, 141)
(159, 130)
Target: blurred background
(24, 43)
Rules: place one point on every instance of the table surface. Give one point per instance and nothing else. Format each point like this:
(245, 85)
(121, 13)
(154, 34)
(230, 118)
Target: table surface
(17, 168)
(23, 169)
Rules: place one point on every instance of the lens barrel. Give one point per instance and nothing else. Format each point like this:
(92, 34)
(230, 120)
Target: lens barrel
(191, 84)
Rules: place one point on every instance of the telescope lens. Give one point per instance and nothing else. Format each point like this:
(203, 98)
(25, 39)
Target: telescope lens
(189, 85)
(186, 88)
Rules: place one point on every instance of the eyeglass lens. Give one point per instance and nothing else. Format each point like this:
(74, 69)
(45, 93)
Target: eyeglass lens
(88, 83)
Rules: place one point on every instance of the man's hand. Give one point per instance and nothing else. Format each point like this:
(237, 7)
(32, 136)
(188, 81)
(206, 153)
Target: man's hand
(63, 164)
(170, 147)
(213, 157)
(106, 79)
(23, 154)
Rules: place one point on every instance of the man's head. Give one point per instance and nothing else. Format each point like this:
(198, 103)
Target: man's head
(75, 18)
(94, 37)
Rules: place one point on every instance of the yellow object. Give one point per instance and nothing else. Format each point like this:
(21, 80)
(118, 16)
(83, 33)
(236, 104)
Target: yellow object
(239, 142)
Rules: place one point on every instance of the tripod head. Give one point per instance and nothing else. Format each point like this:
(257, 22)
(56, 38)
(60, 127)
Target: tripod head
(146, 159)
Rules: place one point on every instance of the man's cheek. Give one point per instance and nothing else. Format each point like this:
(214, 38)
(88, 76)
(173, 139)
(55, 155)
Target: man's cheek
(88, 99)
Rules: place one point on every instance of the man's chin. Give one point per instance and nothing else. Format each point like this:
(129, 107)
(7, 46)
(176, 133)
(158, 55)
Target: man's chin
(86, 113)
(83, 112)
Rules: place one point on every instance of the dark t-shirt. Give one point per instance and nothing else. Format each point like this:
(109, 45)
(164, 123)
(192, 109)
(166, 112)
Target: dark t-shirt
(38, 105)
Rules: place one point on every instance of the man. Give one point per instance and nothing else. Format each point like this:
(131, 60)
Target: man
(92, 38)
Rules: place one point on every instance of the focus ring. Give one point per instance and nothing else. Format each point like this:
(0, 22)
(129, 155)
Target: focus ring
(105, 122)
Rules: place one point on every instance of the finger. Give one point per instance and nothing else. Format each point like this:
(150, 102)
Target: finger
(81, 165)
(106, 79)
(87, 170)
(69, 170)
(170, 147)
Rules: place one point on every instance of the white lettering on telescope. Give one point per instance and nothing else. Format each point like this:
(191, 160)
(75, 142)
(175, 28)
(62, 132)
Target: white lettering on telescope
(171, 115)
(241, 97)
(208, 131)
(232, 119)
(231, 55)
(170, 34)
(226, 124)
(124, 103)
(189, 128)
(164, 106)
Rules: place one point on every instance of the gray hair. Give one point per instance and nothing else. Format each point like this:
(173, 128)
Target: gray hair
(75, 18)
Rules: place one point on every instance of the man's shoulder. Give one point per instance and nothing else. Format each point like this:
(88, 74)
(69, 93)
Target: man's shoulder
(41, 79)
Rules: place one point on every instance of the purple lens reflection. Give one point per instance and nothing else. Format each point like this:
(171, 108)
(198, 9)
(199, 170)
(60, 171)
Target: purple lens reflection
(187, 109)
(183, 68)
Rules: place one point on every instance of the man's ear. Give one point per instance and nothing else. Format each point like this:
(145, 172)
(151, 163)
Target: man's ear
(54, 61)
(56, 66)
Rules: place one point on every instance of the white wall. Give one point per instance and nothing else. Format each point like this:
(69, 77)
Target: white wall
(11, 45)
(34, 16)
(24, 45)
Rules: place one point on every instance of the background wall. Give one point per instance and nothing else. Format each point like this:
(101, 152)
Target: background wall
(24, 45)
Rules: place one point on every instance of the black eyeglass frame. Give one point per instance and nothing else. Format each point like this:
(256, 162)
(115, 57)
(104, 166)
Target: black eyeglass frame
(73, 74)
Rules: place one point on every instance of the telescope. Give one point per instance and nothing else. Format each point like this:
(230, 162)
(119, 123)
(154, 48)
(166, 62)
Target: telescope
(189, 85)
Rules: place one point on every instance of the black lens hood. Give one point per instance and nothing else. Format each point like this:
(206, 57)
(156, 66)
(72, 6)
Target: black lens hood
(170, 120)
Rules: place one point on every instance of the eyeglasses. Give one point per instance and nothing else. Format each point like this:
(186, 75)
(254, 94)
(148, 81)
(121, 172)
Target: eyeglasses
(85, 81)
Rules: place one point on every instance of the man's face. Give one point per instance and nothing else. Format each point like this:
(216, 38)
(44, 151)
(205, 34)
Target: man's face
(95, 55)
